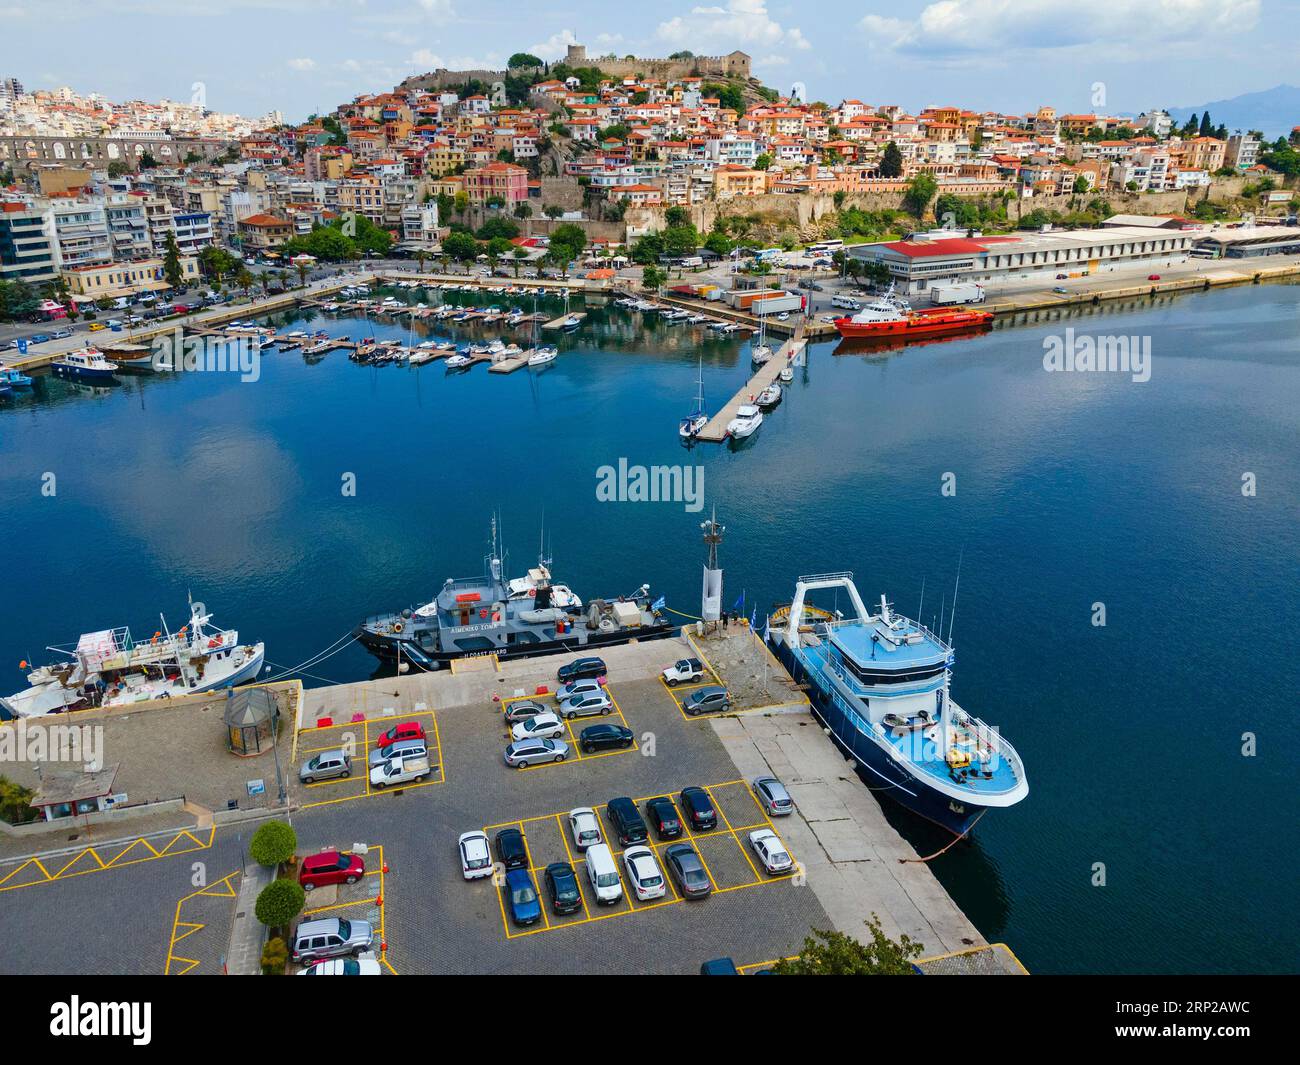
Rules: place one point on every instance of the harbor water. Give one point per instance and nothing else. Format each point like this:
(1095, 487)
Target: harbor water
(1159, 834)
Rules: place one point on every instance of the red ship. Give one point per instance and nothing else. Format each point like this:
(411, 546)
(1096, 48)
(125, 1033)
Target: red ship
(892, 316)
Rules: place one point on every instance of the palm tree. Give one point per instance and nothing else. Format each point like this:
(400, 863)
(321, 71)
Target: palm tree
(420, 256)
(244, 279)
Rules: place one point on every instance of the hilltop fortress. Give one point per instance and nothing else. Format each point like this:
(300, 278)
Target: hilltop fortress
(732, 65)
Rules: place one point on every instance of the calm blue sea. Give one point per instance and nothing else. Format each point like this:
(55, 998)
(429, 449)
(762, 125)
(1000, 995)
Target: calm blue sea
(1071, 490)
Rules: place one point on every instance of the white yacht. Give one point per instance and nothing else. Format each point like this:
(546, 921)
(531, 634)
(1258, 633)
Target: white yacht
(746, 422)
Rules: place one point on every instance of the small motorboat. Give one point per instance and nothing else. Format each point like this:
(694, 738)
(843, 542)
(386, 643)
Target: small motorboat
(15, 380)
(787, 374)
(746, 422)
(769, 397)
(458, 361)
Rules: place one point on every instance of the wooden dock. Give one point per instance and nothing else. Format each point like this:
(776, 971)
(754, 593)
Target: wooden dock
(511, 364)
(716, 431)
(555, 323)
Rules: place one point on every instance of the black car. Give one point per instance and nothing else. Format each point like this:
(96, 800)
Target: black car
(511, 849)
(562, 886)
(627, 822)
(687, 871)
(604, 738)
(707, 700)
(698, 808)
(662, 814)
(580, 668)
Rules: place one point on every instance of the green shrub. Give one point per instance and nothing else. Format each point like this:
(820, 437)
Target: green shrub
(273, 844)
(279, 903)
(275, 956)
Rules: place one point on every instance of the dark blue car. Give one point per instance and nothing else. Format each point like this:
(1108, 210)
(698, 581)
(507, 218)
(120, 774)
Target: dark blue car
(521, 892)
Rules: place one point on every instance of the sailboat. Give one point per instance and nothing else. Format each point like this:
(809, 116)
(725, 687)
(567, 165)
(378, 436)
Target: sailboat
(691, 426)
(760, 352)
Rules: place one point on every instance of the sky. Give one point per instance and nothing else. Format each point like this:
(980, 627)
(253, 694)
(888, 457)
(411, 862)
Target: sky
(307, 56)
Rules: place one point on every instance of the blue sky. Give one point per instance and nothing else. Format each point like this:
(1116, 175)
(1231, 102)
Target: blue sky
(300, 56)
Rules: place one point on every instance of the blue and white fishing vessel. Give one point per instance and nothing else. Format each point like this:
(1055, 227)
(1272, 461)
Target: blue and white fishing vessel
(14, 379)
(881, 684)
(88, 364)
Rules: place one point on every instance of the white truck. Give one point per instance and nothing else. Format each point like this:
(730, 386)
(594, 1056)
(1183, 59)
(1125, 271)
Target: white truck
(399, 771)
(944, 295)
(683, 672)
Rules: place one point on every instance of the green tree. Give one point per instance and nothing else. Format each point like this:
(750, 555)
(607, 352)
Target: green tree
(460, 246)
(523, 59)
(15, 803)
(273, 844)
(891, 161)
(552, 211)
(835, 954)
(279, 903)
(568, 240)
(654, 278)
(498, 227)
(763, 161)
(172, 273)
(523, 210)
(920, 191)
(727, 96)
(148, 162)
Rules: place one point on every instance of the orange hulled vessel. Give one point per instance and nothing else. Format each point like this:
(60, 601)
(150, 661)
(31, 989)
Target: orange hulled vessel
(891, 315)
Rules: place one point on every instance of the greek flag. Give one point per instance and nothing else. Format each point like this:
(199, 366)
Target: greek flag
(753, 621)
(658, 604)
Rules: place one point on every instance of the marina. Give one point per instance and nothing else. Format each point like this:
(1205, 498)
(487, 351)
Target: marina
(298, 565)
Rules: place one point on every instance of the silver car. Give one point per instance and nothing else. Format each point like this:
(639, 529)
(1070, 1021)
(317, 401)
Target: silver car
(326, 765)
(331, 938)
(593, 704)
(524, 753)
(585, 686)
(772, 796)
(523, 709)
(400, 749)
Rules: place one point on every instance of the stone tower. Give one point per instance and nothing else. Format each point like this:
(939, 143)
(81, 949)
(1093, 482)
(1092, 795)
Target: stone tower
(576, 56)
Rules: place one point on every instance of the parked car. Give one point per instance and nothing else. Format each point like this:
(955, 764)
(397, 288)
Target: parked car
(38, 338)
(581, 667)
(330, 867)
(604, 737)
(61, 334)
(343, 967)
(523, 709)
(584, 827)
(591, 705)
(400, 749)
(585, 686)
(719, 967)
(710, 699)
(407, 730)
(475, 858)
(771, 851)
(626, 821)
(512, 851)
(698, 808)
(686, 869)
(96, 327)
(1153, 277)
(540, 726)
(410, 769)
(685, 671)
(772, 796)
(663, 817)
(643, 873)
(562, 886)
(326, 765)
(521, 893)
(523, 753)
(1061, 277)
(1061, 290)
(603, 874)
(331, 937)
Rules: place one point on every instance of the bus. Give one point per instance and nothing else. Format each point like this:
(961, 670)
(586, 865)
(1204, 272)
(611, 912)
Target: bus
(826, 247)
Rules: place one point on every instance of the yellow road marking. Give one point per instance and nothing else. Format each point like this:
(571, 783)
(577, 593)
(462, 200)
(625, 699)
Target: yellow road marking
(100, 865)
(222, 889)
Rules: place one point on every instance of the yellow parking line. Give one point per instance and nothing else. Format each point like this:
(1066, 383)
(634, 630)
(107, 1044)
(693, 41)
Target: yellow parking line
(744, 848)
(191, 927)
(564, 838)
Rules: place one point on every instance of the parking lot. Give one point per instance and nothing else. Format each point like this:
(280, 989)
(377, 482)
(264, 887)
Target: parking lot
(724, 852)
(358, 737)
(573, 730)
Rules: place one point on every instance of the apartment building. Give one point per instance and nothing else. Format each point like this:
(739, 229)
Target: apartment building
(497, 181)
(27, 247)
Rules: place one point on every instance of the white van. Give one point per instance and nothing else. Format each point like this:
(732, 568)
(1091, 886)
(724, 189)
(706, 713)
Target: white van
(847, 302)
(603, 874)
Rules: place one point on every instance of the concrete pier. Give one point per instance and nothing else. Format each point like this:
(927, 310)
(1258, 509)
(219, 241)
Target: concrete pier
(716, 431)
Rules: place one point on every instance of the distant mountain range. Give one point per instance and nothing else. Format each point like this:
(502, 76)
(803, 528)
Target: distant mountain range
(1274, 111)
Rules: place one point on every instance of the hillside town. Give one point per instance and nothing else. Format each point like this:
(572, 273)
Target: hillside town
(647, 163)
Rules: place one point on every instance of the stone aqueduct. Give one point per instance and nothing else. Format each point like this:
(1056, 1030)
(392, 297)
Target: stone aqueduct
(24, 151)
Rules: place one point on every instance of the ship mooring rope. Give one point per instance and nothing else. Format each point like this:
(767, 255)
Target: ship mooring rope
(338, 645)
(680, 614)
(956, 839)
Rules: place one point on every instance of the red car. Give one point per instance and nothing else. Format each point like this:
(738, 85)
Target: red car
(407, 730)
(1153, 277)
(330, 867)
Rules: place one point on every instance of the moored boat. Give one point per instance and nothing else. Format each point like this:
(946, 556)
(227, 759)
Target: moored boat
(891, 315)
(88, 364)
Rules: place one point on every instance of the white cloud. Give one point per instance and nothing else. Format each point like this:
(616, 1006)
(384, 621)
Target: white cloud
(441, 8)
(427, 59)
(555, 46)
(743, 24)
(969, 27)
(301, 64)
